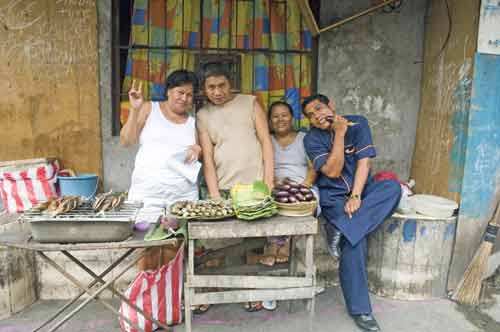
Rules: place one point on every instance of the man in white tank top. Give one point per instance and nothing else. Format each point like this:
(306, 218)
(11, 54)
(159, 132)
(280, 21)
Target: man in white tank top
(166, 165)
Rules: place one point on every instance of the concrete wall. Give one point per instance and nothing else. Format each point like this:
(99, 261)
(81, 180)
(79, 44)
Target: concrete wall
(117, 161)
(49, 103)
(372, 67)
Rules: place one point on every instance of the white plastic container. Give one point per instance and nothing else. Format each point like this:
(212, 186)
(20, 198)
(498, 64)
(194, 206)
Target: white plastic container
(433, 206)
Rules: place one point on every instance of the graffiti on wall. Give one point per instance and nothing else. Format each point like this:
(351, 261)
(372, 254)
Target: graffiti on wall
(48, 66)
(30, 38)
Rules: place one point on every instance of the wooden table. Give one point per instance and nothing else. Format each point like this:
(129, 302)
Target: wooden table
(252, 288)
(23, 240)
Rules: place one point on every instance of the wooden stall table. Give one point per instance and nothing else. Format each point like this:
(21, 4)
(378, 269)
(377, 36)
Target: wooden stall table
(243, 288)
(23, 240)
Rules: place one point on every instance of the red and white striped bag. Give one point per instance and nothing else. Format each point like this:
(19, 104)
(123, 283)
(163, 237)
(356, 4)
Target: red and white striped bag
(23, 189)
(158, 293)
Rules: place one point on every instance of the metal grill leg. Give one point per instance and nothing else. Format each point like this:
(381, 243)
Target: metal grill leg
(99, 291)
(114, 290)
(102, 275)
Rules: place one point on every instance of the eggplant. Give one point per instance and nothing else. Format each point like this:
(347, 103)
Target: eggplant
(305, 190)
(293, 190)
(282, 199)
(294, 184)
(300, 197)
(282, 194)
(309, 197)
(292, 199)
(284, 187)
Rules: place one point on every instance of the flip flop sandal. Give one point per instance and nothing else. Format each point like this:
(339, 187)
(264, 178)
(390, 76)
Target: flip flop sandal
(270, 305)
(252, 306)
(201, 309)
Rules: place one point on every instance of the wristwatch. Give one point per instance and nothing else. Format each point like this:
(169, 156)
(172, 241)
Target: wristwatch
(355, 196)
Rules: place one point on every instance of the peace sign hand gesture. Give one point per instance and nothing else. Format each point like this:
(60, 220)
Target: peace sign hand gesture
(135, 97)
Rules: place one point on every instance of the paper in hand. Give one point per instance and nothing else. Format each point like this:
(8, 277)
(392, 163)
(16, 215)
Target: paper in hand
(188, 170)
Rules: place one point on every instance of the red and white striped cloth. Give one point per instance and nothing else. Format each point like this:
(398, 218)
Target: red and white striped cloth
(158, 293)
(23, 189)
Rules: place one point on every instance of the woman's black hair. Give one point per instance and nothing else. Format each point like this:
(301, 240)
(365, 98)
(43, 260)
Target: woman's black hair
(279, 103)
(181, 77)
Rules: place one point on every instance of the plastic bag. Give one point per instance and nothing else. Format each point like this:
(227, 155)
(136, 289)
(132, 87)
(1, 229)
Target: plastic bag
(404, 205)
(23, 188)
(158, 293)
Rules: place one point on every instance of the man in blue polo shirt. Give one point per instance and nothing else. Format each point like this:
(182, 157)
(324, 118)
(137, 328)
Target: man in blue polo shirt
(354, 205)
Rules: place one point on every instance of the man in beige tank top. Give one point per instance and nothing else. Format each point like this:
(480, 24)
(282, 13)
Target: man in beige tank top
(234, 135)
(235, 141)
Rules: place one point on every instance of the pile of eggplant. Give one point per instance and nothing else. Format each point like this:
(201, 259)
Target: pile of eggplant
(292, 192)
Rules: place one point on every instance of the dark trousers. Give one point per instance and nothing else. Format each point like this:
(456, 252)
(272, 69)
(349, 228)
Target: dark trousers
(379, 199)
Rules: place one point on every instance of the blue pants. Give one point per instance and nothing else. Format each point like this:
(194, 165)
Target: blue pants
(379, 199)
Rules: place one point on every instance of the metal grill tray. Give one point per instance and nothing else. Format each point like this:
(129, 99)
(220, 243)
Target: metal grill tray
(83, 224)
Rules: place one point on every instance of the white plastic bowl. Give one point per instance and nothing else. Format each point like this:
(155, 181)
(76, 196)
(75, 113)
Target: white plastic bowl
(434, 206)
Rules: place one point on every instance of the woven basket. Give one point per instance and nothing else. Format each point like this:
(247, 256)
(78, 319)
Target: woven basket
(299, 209)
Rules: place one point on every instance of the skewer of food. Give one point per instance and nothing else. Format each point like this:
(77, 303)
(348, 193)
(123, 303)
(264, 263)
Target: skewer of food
(108, 201)
(331, 119)
(56, 206)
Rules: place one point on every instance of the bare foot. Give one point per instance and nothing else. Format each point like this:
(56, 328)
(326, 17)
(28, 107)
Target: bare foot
(281, 259)
(268, 260)
(283, 253)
